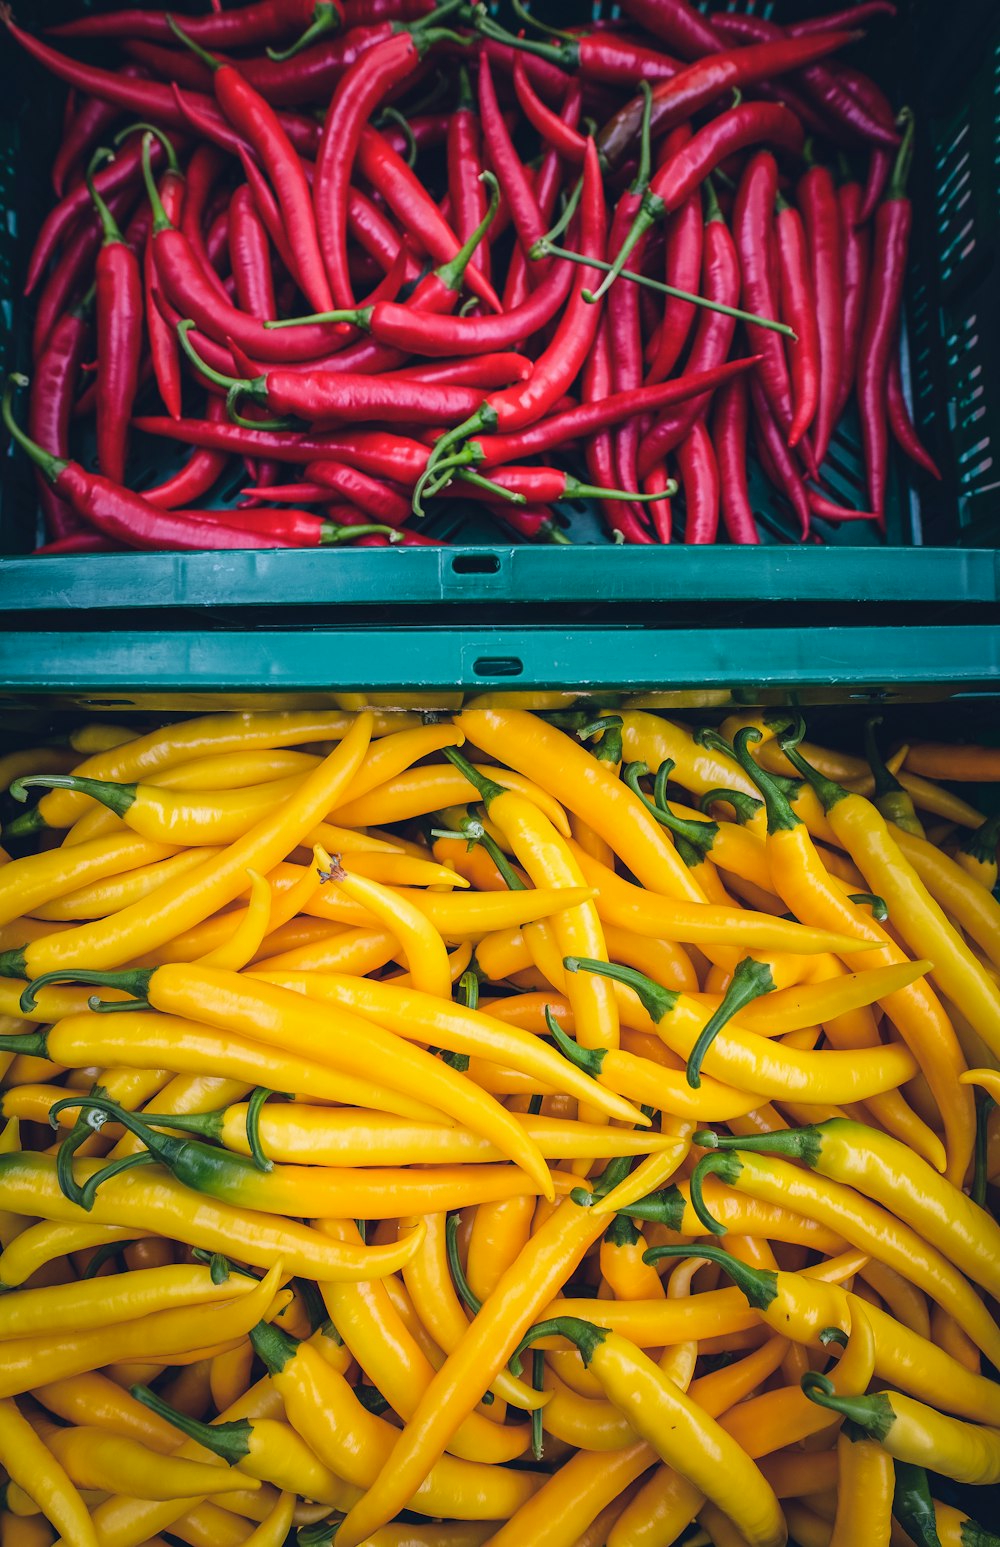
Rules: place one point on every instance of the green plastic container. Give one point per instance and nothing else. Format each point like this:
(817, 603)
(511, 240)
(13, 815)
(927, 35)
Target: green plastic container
(918, 615)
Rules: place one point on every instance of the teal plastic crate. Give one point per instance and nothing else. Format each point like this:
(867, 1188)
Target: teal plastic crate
(918, 615)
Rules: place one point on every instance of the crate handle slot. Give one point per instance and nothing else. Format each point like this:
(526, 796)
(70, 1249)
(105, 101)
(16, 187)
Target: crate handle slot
(476, 564)
(498, 666)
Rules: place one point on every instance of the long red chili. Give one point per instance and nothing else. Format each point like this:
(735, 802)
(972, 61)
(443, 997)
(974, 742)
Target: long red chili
(560, 362)
(660, 511)
(261, 22)
(88, 129)
(709, 79)
(413, 206)
(540, 485)
(547, 183)
(372, 495)
(775, 454)
(713, 336)
(730, 418)
(123, 171)
(73, 271)
(699, 476)
(252, 117)
(465, 163)
(514, 181)
(820, 208)
(902, 426)
(286, 528)
(600, 57)
(549, 125)
(377, 451)
(856, 239)
(798, 309)
(119, 316)
(622, 521)
(682, 269)
(753, 229)
(367, 82)
(57, 371)
(676, 23)
(250, 257)
(623, 316)
(204, 170)
(310, 76)
(885, 296)
(490, 370)
(116, 511)
(591, 417)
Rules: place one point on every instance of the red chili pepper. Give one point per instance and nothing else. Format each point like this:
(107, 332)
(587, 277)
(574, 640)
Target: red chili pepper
(362, 87)
(753, 228)
(266, 206)
(252, 117)
(682, 269)
(730, 416)
(370, 494)
(114, 510)
(547, 183)
(123, 172)
(699, 475)
(799, 310)
(88, 129)
(775, 454)
(547, 78)
(284, 528)
(250, 257)
(548, 124)
(465, 162)
(211, 123)
(78, 542)
(561, 361)
(623, 317)
(261, 22)
(57, 371)
(489, 370)
(880, 163)
(713, 336)
(201, 470)
(676, 23)
(308, 77)
(885, 296)
(591, 417)
(283, 494)
(376, 234)
(851, 16)
(710, 79)
(821, 218)
(599, 56)
(414, 208)
(356, 11)
(203, 172)
(856, 267)
(539, 485)
(902, 426)
(622, 520)
(119, 316)
(828, 511)
(660, 510)
(515, 183)
(73, 271)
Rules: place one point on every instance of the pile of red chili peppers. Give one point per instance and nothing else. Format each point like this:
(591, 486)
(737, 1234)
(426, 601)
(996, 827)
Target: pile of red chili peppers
(417, 257)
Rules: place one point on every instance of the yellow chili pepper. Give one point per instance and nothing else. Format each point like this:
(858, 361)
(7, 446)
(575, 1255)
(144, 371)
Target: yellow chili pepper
(703, 924)
(193, 897)
(420, 791)
(499, 1232)
(372, 1328)
(547, 1260)
(28, 883)
(915, 915)
(900, 1298)
(328, 947)
(29, 1463)
(245, 940)
(800, 1307)
(955, 763)
(962, 897)
(393, 755)
(956, 1529)
(208, 735)
(422, 946)
(30, 1183)
(154, 1041)
(806, 887)
(456, 917)
(911, 1431)
(797, 1474)
(104, 1302)
(354, 1442)
(677, 1428)
(92, 1398)
(100, 898)
(433, 1292)
(863, 1224)
(976, 854)
(881, 1168)
(756, 1216)
(408, 1013)
(93, 1458)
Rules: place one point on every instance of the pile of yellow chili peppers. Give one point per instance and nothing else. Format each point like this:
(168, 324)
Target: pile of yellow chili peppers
(549, 1129)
